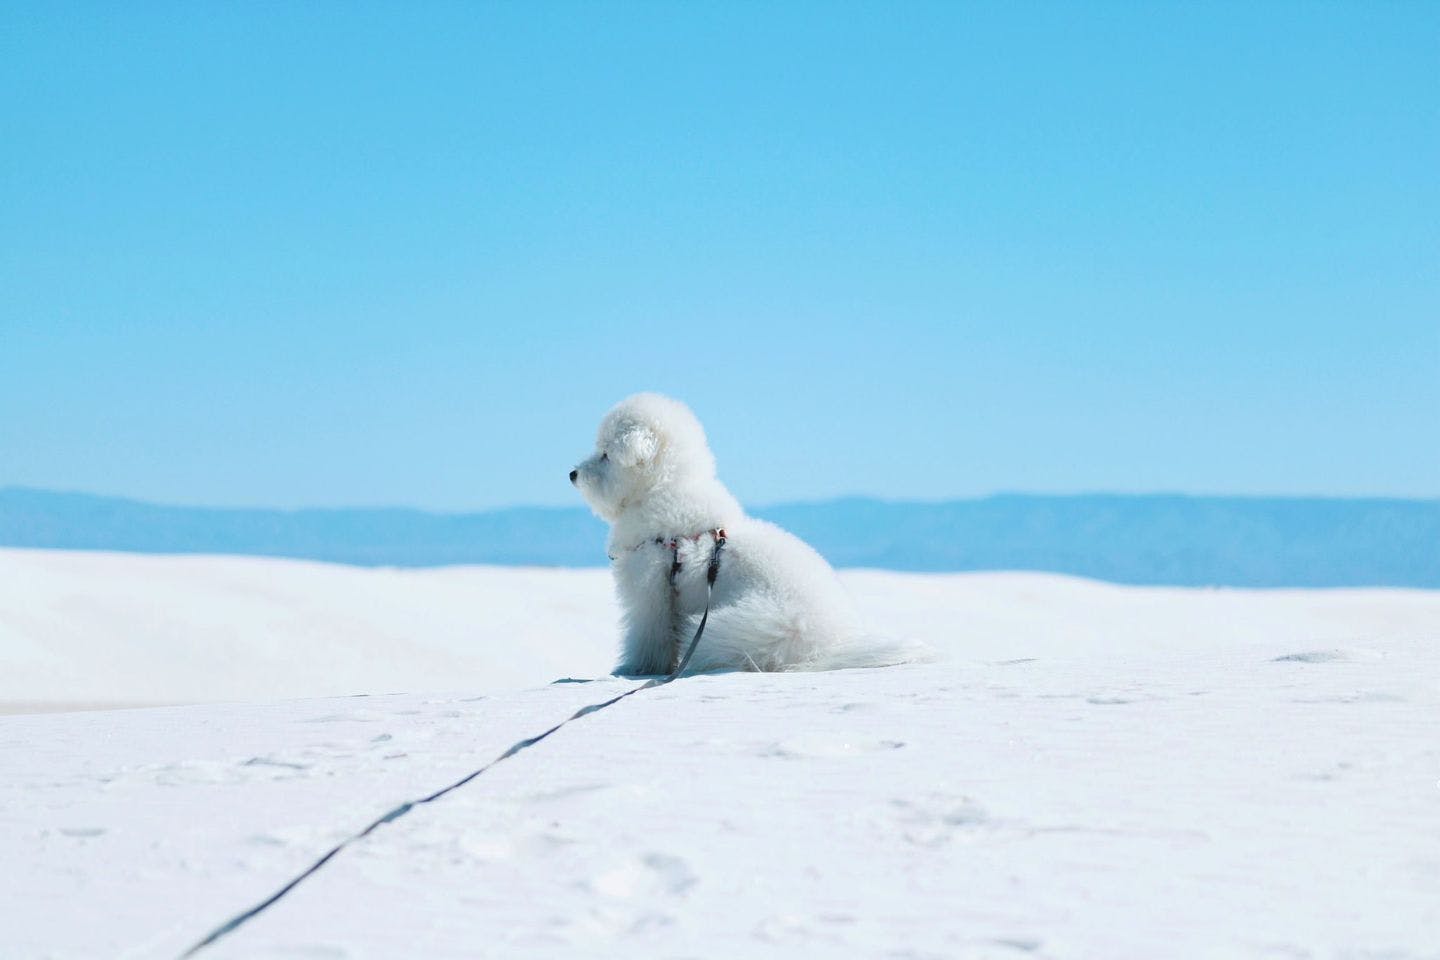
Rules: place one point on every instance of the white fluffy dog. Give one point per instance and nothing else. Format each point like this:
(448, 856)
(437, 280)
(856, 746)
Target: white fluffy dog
(777, 605)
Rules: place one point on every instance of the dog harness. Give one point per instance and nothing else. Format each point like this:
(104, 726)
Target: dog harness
(712, 570)
(674, 544)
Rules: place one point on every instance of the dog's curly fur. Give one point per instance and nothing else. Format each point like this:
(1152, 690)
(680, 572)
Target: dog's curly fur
(777, 604)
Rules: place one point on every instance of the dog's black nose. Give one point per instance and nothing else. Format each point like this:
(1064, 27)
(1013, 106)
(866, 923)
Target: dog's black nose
(573, 475)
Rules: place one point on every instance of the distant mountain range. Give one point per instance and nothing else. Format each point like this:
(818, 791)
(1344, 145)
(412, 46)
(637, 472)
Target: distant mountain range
(1148, 539)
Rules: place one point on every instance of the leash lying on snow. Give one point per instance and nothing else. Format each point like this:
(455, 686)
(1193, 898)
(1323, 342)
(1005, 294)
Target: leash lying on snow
(240, 919)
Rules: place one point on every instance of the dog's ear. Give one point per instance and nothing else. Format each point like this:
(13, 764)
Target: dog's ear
(636, 445)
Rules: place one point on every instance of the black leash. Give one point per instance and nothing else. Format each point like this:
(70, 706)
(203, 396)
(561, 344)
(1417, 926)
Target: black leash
(241, 918)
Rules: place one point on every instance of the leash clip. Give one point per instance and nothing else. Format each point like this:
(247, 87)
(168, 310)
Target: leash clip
(714, 569)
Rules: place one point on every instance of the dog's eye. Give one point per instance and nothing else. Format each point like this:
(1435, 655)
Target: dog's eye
(604, 456)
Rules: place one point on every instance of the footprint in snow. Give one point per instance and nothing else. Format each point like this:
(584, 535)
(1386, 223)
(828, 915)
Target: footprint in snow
(1023, 944)
(1330, 655)
(654, 874)
(630, 897)
(271, 762)
(934, 821)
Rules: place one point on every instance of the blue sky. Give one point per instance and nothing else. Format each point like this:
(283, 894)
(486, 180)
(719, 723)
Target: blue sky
(333, 254)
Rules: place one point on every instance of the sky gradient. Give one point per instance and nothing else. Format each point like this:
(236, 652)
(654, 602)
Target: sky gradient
(324, 254)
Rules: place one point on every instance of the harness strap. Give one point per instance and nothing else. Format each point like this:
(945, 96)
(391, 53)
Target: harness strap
(710, 573)
(674, 561)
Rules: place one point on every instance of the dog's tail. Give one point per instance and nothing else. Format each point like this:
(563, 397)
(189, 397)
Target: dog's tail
(867, 650)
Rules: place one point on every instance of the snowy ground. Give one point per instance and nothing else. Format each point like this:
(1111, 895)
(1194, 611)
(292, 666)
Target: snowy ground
(1092, 771)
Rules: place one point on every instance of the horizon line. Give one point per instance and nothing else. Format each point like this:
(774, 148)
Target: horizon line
(819, 501)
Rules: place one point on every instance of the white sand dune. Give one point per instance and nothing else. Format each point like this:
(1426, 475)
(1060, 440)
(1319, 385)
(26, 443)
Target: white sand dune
(129, 628)
(115, 629)
(1089, 771)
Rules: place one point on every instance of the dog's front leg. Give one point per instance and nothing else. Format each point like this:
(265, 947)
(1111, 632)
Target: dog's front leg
(642, 582)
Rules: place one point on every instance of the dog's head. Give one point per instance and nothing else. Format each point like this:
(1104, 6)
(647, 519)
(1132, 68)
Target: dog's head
(645, 443)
